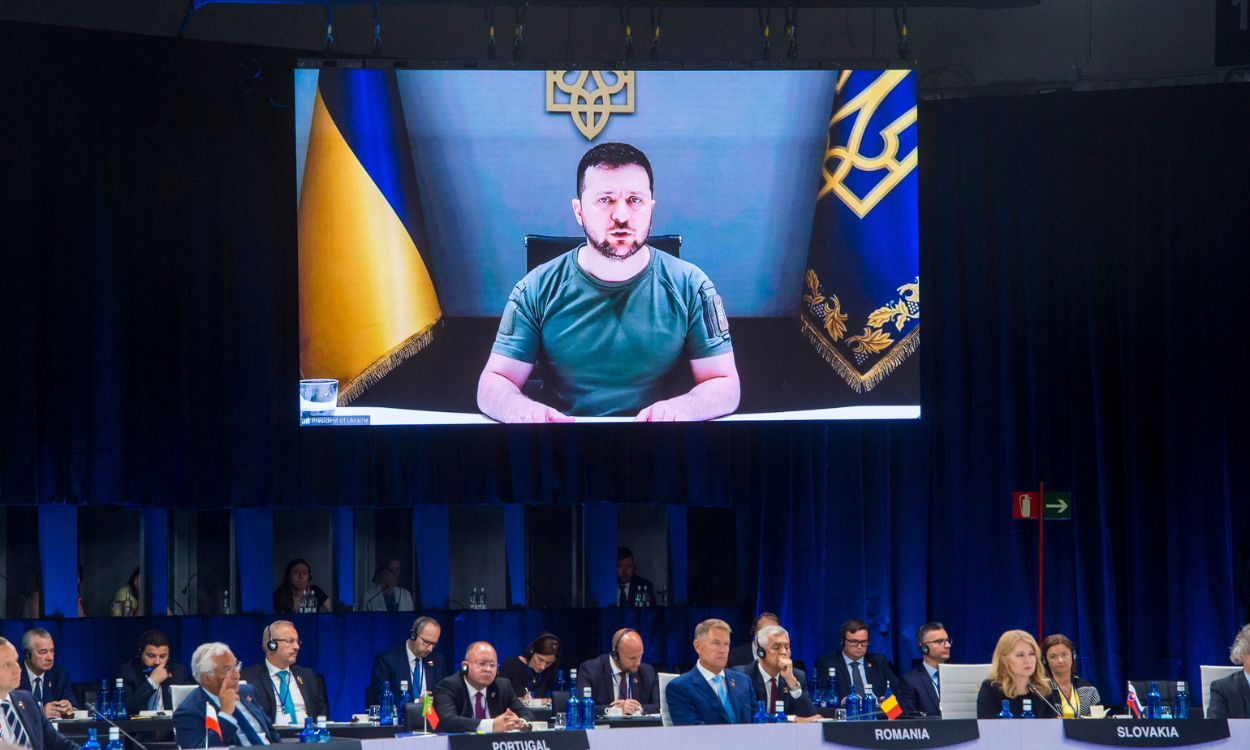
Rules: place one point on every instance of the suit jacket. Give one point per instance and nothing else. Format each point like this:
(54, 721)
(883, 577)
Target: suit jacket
(392, 666)
(1230, 697)
(637, 586)
(455, 712)
(917, 694)
(800, 706)
(691, 699)
(990, 702)
(877, 672)
(43, 736)
(139, 691)
(596, 674)
(311, 685)
(189, 720)
(56, 684)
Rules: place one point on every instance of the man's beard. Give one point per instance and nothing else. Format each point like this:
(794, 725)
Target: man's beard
(604, 246)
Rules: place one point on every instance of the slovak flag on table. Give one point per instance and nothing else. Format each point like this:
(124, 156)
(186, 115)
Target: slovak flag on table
(1134, 703)
(210, 722)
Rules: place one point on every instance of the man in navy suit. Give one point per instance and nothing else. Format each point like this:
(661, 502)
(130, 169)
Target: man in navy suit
(619, 678)
(413, 660)
(1230, 696)
(920, 691)
(43, 677)
(855, 667)
(21, 721)
(475, 699)
(774, 678)
(710, 693)
(287, 692)
(236, 719)
(146, 678)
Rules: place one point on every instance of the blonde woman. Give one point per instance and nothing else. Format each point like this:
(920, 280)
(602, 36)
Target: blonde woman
(1015, 676)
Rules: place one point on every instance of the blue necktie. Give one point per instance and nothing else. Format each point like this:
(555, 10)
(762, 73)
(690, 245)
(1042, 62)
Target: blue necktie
(242, 715)
(857, 679)
(416, 678)
(154, 703)
(38, 690)
(284, 692)
(16, 730)
(724, 698)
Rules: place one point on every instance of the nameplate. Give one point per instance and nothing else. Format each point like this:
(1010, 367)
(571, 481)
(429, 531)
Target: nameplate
(1146, 732)
(354, 419)
(558, 740)
(930, 733)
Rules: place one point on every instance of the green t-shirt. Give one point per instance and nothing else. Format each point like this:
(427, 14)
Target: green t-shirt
(610, 344)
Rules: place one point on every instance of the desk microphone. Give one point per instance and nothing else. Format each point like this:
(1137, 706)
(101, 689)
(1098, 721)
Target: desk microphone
(1035, 691)
(113, 724)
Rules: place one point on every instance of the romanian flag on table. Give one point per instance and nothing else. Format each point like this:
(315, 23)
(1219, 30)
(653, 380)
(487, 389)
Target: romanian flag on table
(1134, 703)
(367, 299)
(890, 705)
(210, 721)
(861, 289)
(431, 716)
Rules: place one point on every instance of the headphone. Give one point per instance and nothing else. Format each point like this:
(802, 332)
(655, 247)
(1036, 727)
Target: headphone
(416, 627)
(464, 668)
(615, 653)
(928, 627)
(270, 643)
(531, 649)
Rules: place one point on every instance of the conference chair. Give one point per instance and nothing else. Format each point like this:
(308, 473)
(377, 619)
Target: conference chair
(960, 685)
(1209, 673)
(665, 717)
(179, 693)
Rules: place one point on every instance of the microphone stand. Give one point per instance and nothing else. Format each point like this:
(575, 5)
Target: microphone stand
(1036, 692)
(113, 724)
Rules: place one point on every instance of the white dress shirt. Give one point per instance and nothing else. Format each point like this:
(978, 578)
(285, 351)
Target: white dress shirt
(297, 697)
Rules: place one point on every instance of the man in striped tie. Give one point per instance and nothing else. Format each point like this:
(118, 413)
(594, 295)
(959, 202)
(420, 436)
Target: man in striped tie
(22, 723)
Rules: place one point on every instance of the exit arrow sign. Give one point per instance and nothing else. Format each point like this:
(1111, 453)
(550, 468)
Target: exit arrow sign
(1058, 506)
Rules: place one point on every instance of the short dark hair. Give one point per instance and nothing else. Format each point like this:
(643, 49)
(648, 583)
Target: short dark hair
(853, 626)
(925, 629)
(612, 156)
(624, 552)
(153, 638)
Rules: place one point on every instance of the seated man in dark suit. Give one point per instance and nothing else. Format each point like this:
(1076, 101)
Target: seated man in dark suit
(43, 677)
(774, 677)
(744, 653)
(619, 678)
(920, 691)
(21, 722)
(221, 711)
(146, 679)
(1230, 696)
(287, 692)
(632, 590)
(413, 660)
(854, 666)
(475, 700)
(710, 693)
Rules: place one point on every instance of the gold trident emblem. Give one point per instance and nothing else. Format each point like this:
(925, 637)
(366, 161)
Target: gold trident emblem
(590, 108)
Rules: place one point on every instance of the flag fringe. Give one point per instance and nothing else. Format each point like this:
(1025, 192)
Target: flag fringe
(356, 387)
(878, 372)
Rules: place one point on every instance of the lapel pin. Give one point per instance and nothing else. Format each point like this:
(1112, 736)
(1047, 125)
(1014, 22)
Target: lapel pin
(299, 679)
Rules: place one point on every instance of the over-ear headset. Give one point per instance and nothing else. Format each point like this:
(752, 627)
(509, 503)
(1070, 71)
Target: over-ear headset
(924, 630)
(615, 653)
(531, 649)
(464, 668)
(270, 643)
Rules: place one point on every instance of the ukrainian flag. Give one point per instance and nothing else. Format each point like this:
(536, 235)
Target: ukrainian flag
(861, 290)
(367, 300)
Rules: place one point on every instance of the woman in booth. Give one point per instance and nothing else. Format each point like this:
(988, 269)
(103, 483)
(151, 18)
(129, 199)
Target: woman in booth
(297, 594)
(127, 602)
(531, 673)
(1075, 694)
(1015, 676)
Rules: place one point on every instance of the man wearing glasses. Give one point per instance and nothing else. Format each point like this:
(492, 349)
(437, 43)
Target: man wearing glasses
(921, 691)
(287, 692)
(856, 667)
(221, 712)
(413, 661)
(476, 699)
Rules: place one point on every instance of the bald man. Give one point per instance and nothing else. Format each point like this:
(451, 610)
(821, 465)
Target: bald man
(476, 699)
(619, 678)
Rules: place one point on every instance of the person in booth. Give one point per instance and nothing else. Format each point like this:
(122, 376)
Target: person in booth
(475, 699)
(632, 590)
(619, 679)
(287, 692)
(147, 677)
(386, 595)
(22, 724)
(236, 717)
(1015, 677)
(1230, 696)
(710, 693)
(413, 660)
(774, 677)
(612, 317)
(854, 667)
(1076, 695)
(744, 653)
(531, 672)
(46, 680)
(297, 594)
(920, 692)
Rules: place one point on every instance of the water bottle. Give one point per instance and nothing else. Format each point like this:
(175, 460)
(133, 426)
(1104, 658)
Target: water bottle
(401, 704)
(225, 602)
(481, 602)
(1026, 712)
(870, 704)
(1005, 712)
(104, 701)
(386, 717)
(1154, 703)
(779, 713)
(307, 735)
(853, 706)
(831, 695)
(574, 711)
(115, 739)
(1180, 706)
(92, 743)
(760, 716)
(119, 700)
(323, 732)
(588, 709)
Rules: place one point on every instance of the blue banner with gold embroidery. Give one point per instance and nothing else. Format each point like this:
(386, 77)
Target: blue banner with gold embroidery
(861, 290)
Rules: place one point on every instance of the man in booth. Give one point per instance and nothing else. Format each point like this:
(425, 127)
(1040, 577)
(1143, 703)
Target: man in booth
(475, 699)
(286, 691)
(612, 317)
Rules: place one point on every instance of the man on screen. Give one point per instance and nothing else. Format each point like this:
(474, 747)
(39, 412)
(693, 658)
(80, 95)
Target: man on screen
(612, 316)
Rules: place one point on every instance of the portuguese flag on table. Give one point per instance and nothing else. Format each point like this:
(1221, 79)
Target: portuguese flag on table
(427, 710)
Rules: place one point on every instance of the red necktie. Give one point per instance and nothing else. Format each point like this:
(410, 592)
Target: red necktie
(479, 711)
(624, 687)
(774, 694)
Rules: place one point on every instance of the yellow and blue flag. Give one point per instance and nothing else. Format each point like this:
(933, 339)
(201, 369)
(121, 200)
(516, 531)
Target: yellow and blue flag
(861, 289)
(367, 298)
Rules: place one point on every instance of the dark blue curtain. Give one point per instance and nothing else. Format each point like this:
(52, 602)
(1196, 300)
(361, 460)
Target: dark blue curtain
(1084, 262)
